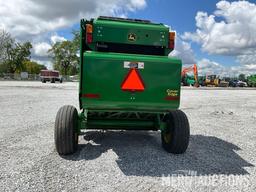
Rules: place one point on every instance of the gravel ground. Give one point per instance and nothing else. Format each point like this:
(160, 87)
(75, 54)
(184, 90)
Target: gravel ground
(220, 157)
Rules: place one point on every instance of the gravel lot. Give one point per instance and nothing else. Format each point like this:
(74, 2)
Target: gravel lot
(221, 155)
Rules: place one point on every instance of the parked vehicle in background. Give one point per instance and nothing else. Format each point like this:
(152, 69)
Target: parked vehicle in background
(50, 75)
(223, 83)
(237, 83)
(74, 77)
(233, 83)
(241, 84)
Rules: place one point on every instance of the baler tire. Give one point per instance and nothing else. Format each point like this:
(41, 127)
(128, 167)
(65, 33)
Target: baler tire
(175, 138)
(65, 133)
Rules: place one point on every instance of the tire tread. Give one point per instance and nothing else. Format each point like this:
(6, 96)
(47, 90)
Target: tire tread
(65, 123)
(179, 128)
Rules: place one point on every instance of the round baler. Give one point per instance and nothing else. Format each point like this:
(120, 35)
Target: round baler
(127, 82)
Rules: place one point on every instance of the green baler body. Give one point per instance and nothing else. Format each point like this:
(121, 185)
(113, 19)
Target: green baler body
(146, 34)
(104, 103)
(103, 74)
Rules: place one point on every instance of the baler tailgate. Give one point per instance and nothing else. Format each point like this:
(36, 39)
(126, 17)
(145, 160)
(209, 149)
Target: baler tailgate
(155, 86)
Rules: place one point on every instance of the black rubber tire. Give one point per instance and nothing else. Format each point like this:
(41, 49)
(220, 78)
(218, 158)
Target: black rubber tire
(52, 80)
(43, 81)
(65, 133)
(175, 138)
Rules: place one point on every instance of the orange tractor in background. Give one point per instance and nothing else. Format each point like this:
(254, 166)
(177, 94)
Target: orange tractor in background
(187, 79)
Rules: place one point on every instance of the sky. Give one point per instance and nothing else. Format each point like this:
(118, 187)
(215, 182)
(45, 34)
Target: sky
(218, 35)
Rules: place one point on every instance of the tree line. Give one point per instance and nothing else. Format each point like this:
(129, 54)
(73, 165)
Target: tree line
(65, 55)
(15, 57)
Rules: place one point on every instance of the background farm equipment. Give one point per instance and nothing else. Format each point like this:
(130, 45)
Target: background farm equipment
(211, 81)
(187, 79)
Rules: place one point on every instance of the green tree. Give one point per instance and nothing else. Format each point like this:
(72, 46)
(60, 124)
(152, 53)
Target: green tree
(241, 77)
(3, 68)
(15, 56)
(17, 53)
(5, 41)
(65, 57)
(76, 40)
(33, 67)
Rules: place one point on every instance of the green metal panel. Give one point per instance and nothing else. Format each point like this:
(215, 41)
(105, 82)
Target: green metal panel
(119, 32)
(103, 74)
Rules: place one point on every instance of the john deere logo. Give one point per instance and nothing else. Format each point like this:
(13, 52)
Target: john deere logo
(131, 37)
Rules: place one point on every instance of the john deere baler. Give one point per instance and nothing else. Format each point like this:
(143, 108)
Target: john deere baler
(127, 81)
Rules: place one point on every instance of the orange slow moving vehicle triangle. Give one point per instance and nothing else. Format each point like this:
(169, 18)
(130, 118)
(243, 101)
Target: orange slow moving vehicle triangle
(133, 81)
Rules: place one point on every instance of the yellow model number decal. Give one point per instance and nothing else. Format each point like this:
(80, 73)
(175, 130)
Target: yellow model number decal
(171, 92)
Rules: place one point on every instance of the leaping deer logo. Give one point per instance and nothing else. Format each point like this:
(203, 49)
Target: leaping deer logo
(131, 37)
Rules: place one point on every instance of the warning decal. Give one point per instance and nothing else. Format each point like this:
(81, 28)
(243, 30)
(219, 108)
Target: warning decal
(133, 81)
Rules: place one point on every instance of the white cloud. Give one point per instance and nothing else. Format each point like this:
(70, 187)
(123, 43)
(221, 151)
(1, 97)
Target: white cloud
(230, 30)
(183, 51)
(37, 21)
(41, 49)
(245, 69)
(209, 67)
(247, 59)
(40, 54)
(56, 38)
(136, 4)
(46, 63)
(233, 33)
(24, 19)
